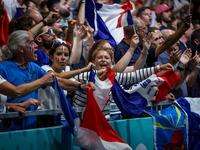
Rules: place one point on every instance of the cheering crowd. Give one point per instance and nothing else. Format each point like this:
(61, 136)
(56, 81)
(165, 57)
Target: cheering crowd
(53, 38)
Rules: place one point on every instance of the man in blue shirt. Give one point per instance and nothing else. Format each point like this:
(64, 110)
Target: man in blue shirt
(19, 69)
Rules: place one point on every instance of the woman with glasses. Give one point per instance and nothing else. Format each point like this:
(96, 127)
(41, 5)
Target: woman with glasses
(59, 56)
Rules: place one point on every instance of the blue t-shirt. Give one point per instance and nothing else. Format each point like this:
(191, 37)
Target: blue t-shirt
(15, 75)
(182, 46)
(164, 58)
(122, 48)
(163, 27)
(43, 58)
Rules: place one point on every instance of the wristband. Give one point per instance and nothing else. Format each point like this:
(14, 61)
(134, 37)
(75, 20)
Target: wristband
(83, 2)
(8, 110)
(144, 54)
(79, 71)
(79, 87)
(198, 67)
(44, 22)
(158, 68)
(180, 68)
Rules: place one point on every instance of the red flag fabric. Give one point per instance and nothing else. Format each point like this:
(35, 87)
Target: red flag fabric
(95, 132)
(4, 30)
(170, 77)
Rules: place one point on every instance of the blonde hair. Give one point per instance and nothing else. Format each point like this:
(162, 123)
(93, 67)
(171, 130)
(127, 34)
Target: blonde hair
(108, 50)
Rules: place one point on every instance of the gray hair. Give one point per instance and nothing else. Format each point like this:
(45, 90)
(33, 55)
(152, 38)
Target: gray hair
(16, 38)
(129, 31)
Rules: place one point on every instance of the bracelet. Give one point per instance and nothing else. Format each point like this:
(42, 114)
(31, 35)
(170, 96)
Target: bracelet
(44, 22)
(144, 54)
(180, 68)
(83, 2)
(8, 110)
(158, 68)
(79, 71)
(198, 67)
(78, 86)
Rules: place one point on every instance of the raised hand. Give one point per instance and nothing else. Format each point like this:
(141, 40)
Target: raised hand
(185, 57)
(51, 16)
(193, 61)
(134, 41)
(187, 20)
(147, 43)
(71, 25)
(175, 56)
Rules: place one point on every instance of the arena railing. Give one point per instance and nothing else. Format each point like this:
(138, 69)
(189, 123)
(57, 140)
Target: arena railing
(80, 111)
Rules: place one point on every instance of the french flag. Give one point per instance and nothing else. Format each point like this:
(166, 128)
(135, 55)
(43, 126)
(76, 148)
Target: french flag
(107, 20)
(12, 9)
(72, 119)
(103, 88)
(95, 132)
(134, 100)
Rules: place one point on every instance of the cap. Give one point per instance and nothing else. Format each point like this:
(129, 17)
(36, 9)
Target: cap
(162, 8)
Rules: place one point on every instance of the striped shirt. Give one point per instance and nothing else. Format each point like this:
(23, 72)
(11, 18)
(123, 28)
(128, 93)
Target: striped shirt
(122, 78)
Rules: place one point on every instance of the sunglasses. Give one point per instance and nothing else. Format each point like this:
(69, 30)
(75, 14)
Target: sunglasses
(60, 41)
(49, 31)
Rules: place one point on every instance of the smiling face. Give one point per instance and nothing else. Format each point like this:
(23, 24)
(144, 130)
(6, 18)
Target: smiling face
(60, 58)
(102, 59)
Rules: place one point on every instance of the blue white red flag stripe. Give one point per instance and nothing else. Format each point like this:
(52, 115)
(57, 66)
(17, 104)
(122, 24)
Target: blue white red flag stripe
(107, 20)
(72, 119)
(134, 100)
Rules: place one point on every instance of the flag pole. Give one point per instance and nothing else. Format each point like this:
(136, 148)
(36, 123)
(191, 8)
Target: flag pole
(190, 6)
(134, 29)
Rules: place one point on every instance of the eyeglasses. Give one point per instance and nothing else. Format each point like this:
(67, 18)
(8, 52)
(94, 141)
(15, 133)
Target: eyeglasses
(49, 31)
(60, 41)
(143, 29)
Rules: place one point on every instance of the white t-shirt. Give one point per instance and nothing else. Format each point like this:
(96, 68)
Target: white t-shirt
(3, 98)
(46, 96)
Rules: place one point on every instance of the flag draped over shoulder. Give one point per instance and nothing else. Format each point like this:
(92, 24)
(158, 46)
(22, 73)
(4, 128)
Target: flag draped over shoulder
(95, 132)
(191, 107)
(169, 128)
(72, 119)
(107, 20)
(134, 100)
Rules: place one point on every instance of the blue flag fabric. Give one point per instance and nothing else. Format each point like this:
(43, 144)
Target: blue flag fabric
(105, 24)
(94, 19)
(169, 128)
(128, 103)
(68, 111)
(193, 124)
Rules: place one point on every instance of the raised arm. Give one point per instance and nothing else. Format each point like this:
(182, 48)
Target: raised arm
(34, 31)
(124, 61)
(172, 39)
(143, 56)
(70, 74)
